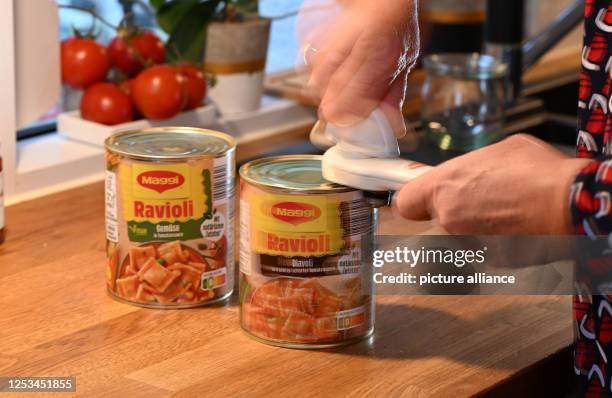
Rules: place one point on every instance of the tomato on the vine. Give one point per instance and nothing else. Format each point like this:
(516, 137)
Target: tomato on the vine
(195, 85)
(107, 104)
(159, 92)
(84, 62)
(132, 53)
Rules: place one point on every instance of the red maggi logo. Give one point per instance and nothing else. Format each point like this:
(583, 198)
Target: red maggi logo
(295, 213)
(160, 180)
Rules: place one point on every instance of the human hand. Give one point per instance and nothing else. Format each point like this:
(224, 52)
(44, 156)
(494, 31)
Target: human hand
(518, 186)
(360, 53)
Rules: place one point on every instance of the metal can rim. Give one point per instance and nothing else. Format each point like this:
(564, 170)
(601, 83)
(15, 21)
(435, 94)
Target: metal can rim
(333, 188)
(231, 141)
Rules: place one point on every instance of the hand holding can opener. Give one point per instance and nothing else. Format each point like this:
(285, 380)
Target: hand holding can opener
(364, 156)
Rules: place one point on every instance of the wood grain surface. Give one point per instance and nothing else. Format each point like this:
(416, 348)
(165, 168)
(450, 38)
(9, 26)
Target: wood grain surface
(57, 320)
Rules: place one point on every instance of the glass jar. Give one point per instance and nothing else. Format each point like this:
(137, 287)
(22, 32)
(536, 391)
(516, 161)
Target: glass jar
(463, 100)
(452, 25)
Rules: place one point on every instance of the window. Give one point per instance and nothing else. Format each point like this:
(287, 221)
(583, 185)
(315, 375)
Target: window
(284, 46)
(281, 55)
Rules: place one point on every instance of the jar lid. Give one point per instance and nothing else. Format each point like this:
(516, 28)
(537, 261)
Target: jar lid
(466, 66)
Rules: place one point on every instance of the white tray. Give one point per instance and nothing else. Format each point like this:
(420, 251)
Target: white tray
(71, 125)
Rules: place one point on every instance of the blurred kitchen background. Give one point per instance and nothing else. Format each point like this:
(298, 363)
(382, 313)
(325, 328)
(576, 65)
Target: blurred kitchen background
(59, 149)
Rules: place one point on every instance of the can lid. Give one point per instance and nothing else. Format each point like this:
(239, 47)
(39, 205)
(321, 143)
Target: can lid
(170, 143)
(292, 172)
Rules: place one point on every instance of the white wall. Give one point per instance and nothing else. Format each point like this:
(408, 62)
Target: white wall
(8, 149)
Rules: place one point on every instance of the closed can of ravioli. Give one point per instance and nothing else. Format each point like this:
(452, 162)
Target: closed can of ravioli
(305, 250)
(170, 216)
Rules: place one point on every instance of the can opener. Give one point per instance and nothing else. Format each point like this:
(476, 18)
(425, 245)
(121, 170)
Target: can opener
(364, 156)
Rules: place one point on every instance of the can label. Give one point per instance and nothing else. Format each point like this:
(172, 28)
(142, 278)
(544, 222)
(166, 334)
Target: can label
(169, 228)
(292, 226)
(303, 265)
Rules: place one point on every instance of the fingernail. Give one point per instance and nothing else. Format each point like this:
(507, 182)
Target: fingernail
(401, 130)
(395, 210)
(394, 199)
(347, 120)
(398, 125)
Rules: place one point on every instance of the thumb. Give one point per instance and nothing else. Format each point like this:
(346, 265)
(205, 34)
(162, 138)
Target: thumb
(393, 103)
(414, 200)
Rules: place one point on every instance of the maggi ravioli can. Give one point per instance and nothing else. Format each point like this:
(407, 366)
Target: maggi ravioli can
(305, 246)
(170, 216)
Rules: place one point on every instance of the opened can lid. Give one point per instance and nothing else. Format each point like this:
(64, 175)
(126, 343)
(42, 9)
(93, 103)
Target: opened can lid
(170, 143)
(291, 173)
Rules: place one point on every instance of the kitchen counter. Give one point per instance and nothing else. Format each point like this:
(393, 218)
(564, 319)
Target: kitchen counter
(57, 320)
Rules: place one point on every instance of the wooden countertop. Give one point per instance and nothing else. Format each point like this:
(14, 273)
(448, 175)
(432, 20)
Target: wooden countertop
(57, 320)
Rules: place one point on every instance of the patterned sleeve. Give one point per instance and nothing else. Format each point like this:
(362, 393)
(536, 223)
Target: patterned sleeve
(590, 203)
(590, 198)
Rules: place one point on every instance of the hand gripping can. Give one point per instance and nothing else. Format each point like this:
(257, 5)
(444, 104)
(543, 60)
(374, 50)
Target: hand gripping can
(170, 216)
(305, 255)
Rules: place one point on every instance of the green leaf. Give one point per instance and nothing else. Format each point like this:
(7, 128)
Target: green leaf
(157, 4)
(187, 39)
(170, 13)
(246, 6)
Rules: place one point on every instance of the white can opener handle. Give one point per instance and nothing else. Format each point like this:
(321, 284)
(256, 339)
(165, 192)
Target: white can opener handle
(370, 174)
(365, 156)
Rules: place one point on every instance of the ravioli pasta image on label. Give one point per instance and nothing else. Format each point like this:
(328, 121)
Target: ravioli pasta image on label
(303, 252)
(169, 217)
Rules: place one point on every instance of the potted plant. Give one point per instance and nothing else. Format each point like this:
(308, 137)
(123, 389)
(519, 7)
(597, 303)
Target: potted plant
(229, 37)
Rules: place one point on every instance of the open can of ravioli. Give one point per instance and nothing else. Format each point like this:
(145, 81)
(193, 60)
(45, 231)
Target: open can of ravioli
(305, 250)
(170, 216)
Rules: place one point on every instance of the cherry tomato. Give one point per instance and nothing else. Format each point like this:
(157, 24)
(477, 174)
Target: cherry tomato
(127, 86)
(84, 62)
(105, 103)
(131, 54)
(195, 85)
(159, 92)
